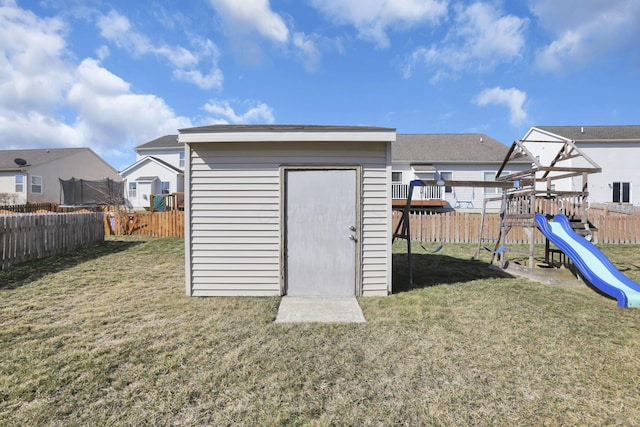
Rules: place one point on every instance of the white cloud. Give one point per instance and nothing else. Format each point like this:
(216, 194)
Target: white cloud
(48, 101)
(117, 29)
(511, 98)
(109, 112)
(373, 18)
(247, 23)
(308, 50)
(480, 38)
(203, 81)
(213, 78)
(34, 76)
(223, 113)
(585, 30)
(247, 16)
(33, 73)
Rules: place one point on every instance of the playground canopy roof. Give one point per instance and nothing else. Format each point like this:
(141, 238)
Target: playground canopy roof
(565, 150)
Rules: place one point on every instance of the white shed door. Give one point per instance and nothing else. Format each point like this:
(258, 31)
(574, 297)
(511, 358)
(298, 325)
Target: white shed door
(321, 240)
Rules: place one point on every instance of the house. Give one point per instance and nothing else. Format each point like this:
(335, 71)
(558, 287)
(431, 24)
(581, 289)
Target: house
(615, 149)
(33, 175)
(159, 169)
(448, 157)
(287, 210)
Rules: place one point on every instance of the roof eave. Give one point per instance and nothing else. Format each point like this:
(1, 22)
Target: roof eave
(597, 140)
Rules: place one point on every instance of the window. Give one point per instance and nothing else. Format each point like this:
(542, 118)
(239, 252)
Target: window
(621, 192)
(447, 176)
(396, 177)
(164, 187)
(490, 177)
(19, 181)
(36, 184)
(181, 161)
(133, 189)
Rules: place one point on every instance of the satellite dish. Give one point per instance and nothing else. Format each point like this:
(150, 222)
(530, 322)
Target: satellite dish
(20, 162)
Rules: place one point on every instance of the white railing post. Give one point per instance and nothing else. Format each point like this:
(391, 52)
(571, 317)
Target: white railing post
(399, 191)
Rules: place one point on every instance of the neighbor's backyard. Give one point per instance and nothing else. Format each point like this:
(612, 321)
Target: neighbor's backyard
(106, 336)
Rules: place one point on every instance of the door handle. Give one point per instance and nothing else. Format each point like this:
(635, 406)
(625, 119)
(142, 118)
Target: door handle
(352, 228)
(352, 237)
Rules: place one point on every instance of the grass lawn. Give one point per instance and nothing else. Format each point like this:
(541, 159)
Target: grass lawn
(106, 336)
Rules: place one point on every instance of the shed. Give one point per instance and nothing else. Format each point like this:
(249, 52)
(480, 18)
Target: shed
(287, 210)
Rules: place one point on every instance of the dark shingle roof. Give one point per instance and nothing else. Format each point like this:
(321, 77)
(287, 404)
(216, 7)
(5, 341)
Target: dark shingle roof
(448, 148)
(167, 141)
(593, 133)
(34, 157)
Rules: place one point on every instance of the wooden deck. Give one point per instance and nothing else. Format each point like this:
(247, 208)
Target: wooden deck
(428, 203)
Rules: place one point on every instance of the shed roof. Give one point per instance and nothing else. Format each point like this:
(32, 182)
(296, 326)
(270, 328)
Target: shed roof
(35, 156)
(286, 133)
(283, 128)
(448, 148)
(594, 133)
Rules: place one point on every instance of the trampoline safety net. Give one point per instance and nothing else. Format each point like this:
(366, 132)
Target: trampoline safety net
(75, 192)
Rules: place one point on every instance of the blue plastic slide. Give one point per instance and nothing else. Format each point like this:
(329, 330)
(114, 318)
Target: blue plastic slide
(590, 261)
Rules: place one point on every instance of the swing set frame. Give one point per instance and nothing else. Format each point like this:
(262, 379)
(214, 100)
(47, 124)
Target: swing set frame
(403, 229)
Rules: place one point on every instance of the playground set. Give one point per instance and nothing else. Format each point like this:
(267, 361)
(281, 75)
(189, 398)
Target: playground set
(530, 201)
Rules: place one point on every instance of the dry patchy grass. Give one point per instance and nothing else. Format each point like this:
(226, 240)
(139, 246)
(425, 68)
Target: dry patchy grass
(107, 337)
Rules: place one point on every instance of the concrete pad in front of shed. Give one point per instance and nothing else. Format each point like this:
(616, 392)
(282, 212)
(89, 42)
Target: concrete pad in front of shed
(320, 309)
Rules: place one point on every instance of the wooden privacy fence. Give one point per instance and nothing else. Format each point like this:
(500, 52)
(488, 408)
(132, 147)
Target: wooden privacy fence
(615, 227)
(156, 224)
(28, 208)
(457, 227)
(47, 208)
(28, 237)
(451, 227)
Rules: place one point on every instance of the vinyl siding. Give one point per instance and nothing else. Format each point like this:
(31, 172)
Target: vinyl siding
(236, 206)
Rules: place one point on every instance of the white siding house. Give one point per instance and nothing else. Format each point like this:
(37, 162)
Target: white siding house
(448, 157)
(615, 149)
(159, 169)
(287, 210)
(149, 176)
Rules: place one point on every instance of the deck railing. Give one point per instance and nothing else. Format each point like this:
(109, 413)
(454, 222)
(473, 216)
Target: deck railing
(401, 191)
(166, 202)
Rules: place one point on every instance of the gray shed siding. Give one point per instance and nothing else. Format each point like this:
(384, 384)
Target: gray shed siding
(235, 209)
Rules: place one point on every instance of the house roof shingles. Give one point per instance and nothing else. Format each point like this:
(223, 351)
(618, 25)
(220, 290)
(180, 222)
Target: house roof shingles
(448, 148)
(34, 157)
(167, 141)
(594, 133)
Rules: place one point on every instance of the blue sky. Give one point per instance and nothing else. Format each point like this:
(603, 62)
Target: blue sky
(111, 75)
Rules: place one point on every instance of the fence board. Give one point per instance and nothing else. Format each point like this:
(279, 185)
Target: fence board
(456, 227)
(27, 237)
(156, 224)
